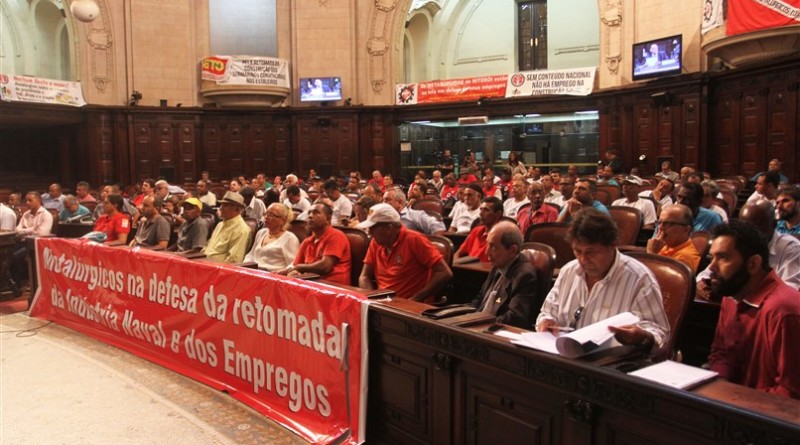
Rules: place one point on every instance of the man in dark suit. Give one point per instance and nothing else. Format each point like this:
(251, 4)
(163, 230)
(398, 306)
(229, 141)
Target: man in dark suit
(510, 290)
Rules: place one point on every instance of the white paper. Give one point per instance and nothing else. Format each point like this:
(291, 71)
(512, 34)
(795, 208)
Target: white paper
(674, 374)
(508, 334)
(541, 341)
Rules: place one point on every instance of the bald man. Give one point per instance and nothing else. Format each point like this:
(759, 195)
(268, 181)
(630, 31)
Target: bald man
(672, 241)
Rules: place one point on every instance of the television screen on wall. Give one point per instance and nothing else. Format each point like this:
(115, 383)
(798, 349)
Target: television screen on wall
(657, 58)
(320, 89)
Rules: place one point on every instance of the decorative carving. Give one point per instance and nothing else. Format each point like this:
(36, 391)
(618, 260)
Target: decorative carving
(453, 344)
(611, 20)
(378, 44)
(580, 410)
(442, 361)
(322, 3)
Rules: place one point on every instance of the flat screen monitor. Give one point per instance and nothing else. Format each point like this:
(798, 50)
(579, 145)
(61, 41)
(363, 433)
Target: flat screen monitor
(657, 58)
(320, 89)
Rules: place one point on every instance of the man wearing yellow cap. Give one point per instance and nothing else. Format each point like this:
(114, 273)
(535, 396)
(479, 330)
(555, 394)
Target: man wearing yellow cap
(193, 231)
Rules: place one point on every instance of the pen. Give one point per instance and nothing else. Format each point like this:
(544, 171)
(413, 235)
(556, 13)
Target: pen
(563, 329)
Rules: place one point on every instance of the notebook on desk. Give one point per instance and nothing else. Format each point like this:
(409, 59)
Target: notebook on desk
(674, 374)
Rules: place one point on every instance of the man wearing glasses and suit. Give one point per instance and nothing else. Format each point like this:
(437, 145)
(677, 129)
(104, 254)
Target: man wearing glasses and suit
(601, 283)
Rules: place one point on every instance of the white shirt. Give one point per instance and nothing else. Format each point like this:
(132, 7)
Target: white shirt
(209, 199)
(784, 257)
(277, 255)
(8, 219)
(257, 209)
(665, 201)
(462, 217)
(756, 196)
(283, 193)
(629, 286)
(39, 223)
(554, 197)
(645, 205)
(342, 209)
(718, 210)
(511, 206)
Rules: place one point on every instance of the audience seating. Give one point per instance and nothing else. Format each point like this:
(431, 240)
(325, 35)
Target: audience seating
(553, 205)
(253, 224)
(211, 222)
(429, 205)
(629, 222)
(607, 194)
(300, 229)
(676, 281)
(702, 241)
(543, 258)
(444, 245)
(554, 235)
(359, 243)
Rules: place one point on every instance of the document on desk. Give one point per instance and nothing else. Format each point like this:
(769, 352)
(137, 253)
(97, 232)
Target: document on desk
(589, 339)
(674, 374)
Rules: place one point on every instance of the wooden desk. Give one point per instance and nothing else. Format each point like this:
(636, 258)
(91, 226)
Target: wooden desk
(457, 239)
(73, 230)
(436, 384)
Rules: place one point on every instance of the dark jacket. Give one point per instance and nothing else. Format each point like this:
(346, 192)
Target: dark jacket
(519, 303)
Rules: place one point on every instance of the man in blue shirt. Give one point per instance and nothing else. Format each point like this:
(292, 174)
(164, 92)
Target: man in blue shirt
(582, 197)
(788, 209)
(690, 194)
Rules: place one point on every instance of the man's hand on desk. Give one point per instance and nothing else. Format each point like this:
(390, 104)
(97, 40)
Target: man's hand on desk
(632, 335)
(549, 325)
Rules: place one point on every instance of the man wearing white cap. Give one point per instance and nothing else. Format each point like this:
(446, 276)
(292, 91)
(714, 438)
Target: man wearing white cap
(401, 259)
(229, 241)
(630, 188)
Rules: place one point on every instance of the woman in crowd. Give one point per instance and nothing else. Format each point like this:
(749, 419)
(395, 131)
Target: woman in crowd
(515, 164)
(274, 247)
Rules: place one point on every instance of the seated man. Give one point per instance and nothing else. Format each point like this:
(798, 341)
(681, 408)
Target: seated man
(112, 221)
(784, 250)
(551, 194)
(8, 218)
(82, 192)
(37, 221)
(254, 207)
(766, 187)
(155, 230)
(788, 206)
(204, 194)
(401, 259)
(582, 197)
(53, 199)
(491, 210)
(73, 210)
(193, 230)
(675, 224)
(467, 211)
(662, 194)
(691, 195)
(417, 220)
(755, 343)
(325, 253)
(537, 212)
(630, 189)
(510, 289)
(667, 172)
(341, 205)
(601, 283)
(710, 192)
(229, 241)
(519, 197)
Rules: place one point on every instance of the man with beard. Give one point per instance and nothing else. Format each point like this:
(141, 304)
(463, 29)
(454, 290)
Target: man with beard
(535, 213)
(755, 343)
(490, 212)
(155, 230)
(788, 206)
(783, 250)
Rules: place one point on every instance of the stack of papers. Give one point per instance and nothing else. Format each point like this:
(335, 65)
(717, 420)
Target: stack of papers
(674, 374)
(591, 338)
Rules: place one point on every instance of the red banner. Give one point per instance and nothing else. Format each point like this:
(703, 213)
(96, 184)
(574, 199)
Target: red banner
(753, 15)
(452, 90)
(293, 350)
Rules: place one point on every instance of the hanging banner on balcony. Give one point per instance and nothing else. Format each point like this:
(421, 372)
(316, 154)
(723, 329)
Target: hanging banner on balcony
(712, 15)
(40, 90)
(571, 82)
(753, 15)
(246, 70)
(451, 90)
(293, 350)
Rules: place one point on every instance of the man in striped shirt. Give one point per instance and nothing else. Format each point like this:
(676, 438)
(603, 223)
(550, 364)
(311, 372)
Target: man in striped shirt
(601, 283)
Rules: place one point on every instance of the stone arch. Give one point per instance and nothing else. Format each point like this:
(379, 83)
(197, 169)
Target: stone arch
(418, 34)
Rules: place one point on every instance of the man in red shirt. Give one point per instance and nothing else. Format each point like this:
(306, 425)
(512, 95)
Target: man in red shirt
(115, 224)
(400, 259)
(491, 210)
(326, 252)
(755, 343)
(537, 212)
(465, 176)
(450, 188)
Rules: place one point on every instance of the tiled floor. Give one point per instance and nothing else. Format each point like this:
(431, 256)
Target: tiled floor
(59, 386)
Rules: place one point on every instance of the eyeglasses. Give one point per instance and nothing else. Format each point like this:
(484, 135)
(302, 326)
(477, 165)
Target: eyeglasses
(576, 317)
(274, 215)
(666, 224)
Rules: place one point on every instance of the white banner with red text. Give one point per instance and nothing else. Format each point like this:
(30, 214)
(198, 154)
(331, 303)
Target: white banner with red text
(40, 90)
(294, 350)
(573, 81)
(246, 70)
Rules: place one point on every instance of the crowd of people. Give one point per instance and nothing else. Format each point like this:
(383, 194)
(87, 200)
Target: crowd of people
(754, 256)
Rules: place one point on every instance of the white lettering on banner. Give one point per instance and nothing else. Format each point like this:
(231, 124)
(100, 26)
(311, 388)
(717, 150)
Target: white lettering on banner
(94, 276)
(781, 8)
(247, 70)
(151, 333)
(289, 326)
(262, 374)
